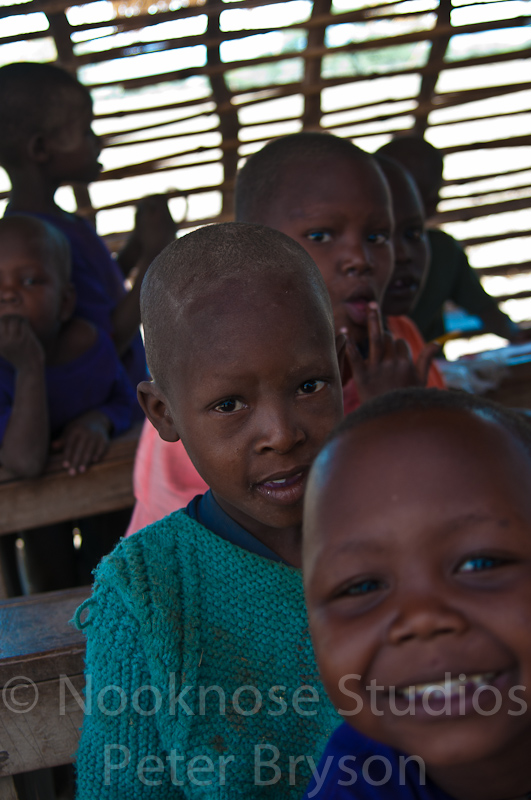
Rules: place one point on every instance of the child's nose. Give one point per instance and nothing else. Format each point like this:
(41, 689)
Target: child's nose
(278, 431)
(354, 257)
(8, 294)
(402, 250)
(425, 617)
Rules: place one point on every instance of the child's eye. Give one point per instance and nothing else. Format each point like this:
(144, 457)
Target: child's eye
(321, 237)
(362, 587)
(414, 234)
(29, 281)
(481, 563)
(229, 405)
(378, 238)
(311, 387)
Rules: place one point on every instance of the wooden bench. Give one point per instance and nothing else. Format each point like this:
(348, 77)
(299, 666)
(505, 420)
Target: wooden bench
(55, 496)
(40, 716)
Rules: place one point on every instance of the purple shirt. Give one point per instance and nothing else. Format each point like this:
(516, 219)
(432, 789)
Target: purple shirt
(354, 767)
(95, 381)
(99, 284)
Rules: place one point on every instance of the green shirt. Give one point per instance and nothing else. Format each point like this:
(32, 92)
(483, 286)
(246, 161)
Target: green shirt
(220, 637)
(450, 277)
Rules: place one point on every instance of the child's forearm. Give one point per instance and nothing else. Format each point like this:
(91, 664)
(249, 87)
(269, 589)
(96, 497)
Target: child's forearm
(27, 438)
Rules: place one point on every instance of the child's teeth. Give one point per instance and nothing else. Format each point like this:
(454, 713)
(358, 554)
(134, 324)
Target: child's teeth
(447, 687)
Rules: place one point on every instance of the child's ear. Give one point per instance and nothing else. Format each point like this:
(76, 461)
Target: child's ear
(155, 407)
(345, 369)
(68, 302)
(37, 148)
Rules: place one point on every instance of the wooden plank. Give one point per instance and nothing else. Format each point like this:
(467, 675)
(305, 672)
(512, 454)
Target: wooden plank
(311, 116)
(7, 787)
(41, 717)
(435, 62)
(461, 214)
(56, 497)
(310, 52)
(48, 734)
(38, 640)
(515, 389)
(496, 237)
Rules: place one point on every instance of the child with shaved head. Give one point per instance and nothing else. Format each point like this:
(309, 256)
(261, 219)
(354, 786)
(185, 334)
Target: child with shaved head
(417, 569)
(199, 619)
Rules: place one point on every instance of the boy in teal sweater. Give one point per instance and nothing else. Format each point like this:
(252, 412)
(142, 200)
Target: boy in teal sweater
(201, 680)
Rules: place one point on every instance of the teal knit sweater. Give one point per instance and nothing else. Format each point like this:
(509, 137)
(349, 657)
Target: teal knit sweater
(196, 654)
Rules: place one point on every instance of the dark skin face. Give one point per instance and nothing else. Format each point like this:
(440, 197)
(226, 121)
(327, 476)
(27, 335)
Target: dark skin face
(252, 389)
(31, 287)
(339, 210)
(410, 245)
(417, 561)
(70, 151)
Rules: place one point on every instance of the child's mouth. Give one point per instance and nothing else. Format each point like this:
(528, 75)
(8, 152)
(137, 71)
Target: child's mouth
(458, 695)
(357, 306)
(285, 488)
(405, 286)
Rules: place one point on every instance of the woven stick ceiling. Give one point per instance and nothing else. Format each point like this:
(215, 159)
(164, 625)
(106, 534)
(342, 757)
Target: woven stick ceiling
(183, 91)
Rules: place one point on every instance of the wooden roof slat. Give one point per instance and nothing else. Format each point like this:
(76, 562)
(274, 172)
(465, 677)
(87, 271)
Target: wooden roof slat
(504, 269)
(496, 237)
(465, 214)
(312, 68)
(315, 52)
(318, 21)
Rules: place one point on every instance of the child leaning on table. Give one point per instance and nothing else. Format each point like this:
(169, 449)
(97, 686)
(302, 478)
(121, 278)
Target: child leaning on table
(60, 377)
(417, 568)
(198, 621)
(61, 382)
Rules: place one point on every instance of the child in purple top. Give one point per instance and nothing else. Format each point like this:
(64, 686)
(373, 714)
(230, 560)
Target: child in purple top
(59, 375)
(46, 140)
(417, 570)
(60, 379)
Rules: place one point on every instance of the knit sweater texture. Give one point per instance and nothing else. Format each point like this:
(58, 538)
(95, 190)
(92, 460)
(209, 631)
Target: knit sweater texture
(179, 610)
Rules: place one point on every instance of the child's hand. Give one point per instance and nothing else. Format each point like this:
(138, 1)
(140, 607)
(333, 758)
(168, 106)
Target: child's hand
(154, 225)
(83, 442)
(389, 364)
(18, 343)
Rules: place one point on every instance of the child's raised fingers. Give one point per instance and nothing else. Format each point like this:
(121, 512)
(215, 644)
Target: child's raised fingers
(376, 334)
(353, 356)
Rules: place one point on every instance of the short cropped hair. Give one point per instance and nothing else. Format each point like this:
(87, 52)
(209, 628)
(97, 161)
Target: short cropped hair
(417, 399)
(31, 102)
(55, 245)
(415, 153)
(391, 168)
(258, 180)
(203, 261)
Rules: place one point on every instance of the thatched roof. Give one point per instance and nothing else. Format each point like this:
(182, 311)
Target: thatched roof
(184, 90)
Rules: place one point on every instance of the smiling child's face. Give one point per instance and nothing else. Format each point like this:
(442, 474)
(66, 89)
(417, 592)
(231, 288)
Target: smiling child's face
(339, 210)
(417, 560)
(253, 391)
